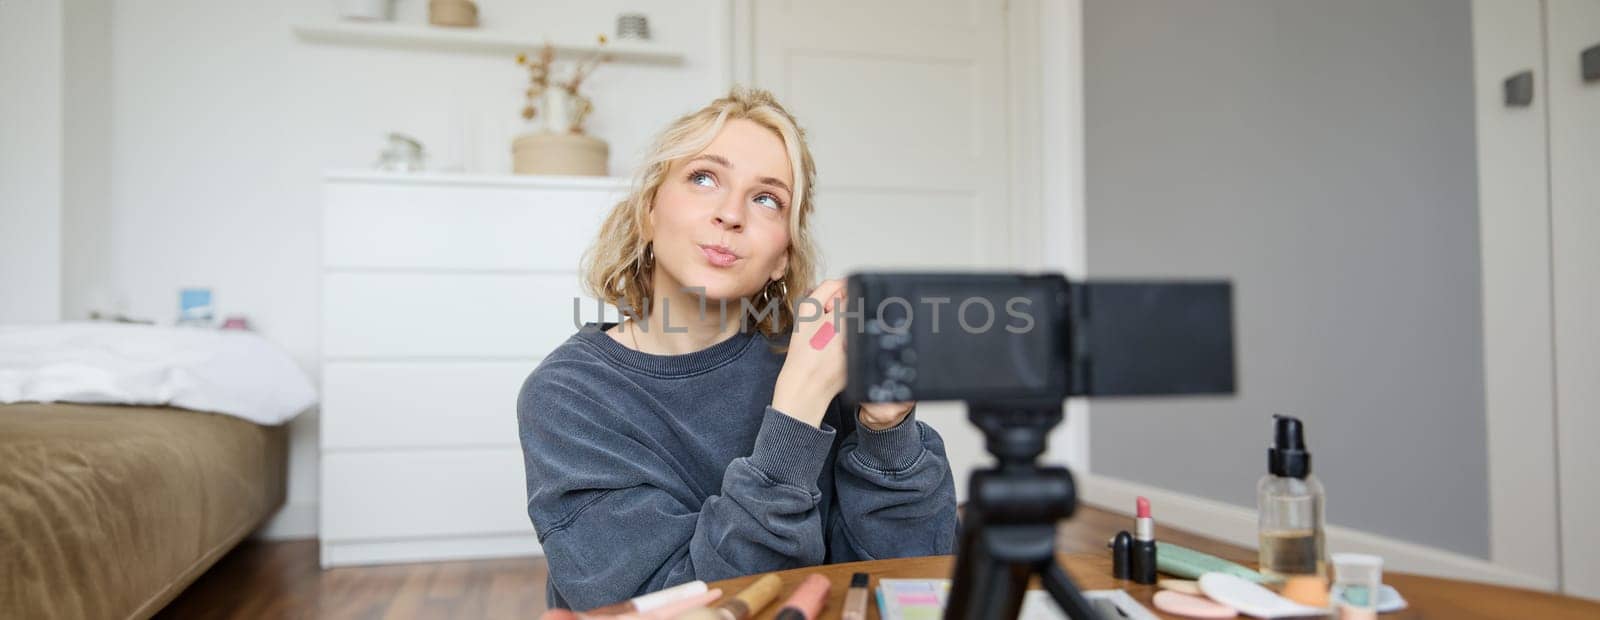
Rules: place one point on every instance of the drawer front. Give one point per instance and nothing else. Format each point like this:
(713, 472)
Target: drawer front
(421, 404)
(521, 316)
(403, 494)
(485, 228)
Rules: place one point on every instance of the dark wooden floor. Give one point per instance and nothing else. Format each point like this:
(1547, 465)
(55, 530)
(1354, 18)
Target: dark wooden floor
(282, 580)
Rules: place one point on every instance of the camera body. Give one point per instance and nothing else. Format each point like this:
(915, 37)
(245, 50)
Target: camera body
(1015, 338)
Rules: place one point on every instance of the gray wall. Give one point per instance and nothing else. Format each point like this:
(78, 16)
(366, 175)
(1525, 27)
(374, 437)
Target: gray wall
(1321, 155)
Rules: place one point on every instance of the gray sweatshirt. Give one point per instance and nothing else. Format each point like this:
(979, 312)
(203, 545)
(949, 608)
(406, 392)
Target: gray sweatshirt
(645, 471)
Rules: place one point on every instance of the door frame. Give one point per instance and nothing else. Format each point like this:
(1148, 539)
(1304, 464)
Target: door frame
(1047, 145)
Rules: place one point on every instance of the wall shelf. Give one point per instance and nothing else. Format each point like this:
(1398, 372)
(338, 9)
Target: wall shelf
(356, 175)
(476, 40)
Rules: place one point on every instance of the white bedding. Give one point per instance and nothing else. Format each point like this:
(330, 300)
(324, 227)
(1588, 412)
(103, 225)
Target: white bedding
(233, 372)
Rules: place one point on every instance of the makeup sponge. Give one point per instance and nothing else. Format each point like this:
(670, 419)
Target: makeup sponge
(1306, 590)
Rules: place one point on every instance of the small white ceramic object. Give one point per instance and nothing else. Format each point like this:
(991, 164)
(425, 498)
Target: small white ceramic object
(1251, 599)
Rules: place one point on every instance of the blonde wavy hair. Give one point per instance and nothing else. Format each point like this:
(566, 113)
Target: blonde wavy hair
(618, 268)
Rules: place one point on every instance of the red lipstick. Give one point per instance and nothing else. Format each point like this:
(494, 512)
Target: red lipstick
(1144, 544)
(823, 336)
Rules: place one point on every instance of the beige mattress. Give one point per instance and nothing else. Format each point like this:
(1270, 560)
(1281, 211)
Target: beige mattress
(110, 511)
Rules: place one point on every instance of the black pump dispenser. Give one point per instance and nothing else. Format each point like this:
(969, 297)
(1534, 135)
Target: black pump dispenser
(1288, 456)
(1290, 503)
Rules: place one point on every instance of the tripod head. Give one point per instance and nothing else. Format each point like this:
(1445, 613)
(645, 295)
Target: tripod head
(1015, 434)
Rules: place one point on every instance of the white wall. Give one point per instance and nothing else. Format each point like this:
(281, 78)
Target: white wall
(223, 121)
(86, 156)
(30, 160)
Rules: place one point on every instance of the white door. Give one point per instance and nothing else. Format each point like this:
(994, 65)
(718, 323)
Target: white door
(1514, 237)
(1539, 215)
(1572, 26)
(904, 103)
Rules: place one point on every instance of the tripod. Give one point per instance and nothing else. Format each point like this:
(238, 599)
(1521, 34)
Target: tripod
(1008, 532)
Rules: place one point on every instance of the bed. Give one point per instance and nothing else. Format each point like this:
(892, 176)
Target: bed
(110, 510)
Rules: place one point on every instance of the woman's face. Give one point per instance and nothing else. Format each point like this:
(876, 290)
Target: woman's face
(721, 218)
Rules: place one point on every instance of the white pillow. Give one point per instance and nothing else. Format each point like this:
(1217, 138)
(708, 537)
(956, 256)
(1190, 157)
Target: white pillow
(237, 373)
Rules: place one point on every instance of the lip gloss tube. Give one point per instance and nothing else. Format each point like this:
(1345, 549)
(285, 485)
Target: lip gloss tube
(751, 599)
(855, 601)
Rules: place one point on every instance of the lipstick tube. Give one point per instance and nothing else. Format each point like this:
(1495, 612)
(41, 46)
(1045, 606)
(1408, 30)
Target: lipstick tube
(1143, 554)
(807, 600)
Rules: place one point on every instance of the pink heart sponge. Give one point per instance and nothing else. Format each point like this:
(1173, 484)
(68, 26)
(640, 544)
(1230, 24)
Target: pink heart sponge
(1190, 606)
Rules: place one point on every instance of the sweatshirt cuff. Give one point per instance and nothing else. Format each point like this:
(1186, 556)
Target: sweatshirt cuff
(892, 449)
(790, 451)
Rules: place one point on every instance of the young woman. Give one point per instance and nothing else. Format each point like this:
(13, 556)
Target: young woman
(691, 441)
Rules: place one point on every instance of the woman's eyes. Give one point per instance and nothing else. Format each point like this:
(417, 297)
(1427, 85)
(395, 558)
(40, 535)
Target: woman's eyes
(704, 179)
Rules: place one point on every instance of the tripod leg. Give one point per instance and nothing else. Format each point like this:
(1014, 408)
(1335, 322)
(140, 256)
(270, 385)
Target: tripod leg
(1066, 593)
(967, 557)
(987, 587)
(1010, 606)
(999, 589)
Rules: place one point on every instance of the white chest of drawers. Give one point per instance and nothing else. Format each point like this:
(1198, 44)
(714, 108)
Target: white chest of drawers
(440, 293)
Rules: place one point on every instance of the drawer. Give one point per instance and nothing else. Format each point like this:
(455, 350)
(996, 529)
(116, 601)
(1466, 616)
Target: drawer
(398, 494)
(520, 316)
(460, 227)
(422, 404)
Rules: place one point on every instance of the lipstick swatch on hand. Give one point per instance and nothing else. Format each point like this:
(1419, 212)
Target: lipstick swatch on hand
(823, 336)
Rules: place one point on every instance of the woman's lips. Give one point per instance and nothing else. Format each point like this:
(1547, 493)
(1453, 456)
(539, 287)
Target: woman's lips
(719, 257)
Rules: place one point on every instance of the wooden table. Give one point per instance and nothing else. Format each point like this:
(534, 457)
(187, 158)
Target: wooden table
(1428, 597)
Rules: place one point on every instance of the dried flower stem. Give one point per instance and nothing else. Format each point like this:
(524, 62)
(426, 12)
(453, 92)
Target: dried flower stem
(540, 70)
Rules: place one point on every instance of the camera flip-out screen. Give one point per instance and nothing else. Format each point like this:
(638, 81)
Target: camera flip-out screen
(1034, 338)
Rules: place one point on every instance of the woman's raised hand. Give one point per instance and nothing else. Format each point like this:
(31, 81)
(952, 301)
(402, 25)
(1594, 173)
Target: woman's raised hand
(814, 371)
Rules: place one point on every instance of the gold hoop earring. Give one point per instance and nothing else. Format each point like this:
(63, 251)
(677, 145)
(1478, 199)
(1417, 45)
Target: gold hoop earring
(765, 297)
